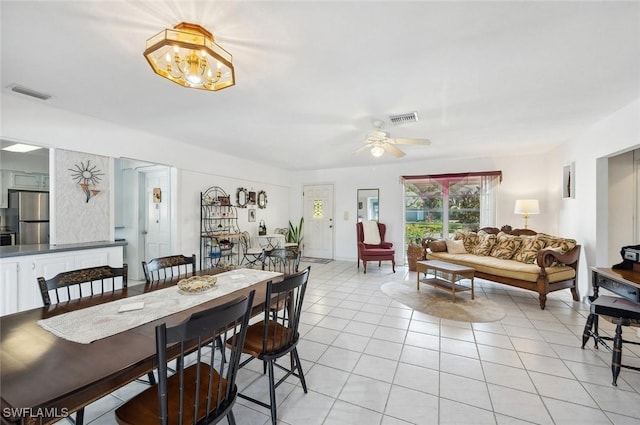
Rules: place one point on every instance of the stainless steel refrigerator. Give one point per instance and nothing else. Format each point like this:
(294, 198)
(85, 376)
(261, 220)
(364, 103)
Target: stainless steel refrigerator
(29, 216)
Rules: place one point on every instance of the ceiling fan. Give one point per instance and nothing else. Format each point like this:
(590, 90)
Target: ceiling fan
(381, 141)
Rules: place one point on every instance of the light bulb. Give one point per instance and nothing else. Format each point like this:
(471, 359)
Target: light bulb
(377, 151)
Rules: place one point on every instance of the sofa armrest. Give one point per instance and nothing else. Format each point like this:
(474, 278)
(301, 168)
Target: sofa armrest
(386, 245)
(438, 246)
(547, 256)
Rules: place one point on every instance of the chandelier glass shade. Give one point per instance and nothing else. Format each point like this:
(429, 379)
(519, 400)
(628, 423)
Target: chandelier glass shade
(188, 55)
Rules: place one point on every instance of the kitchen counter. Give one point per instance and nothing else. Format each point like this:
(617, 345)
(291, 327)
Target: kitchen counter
(21, 250)
(21, 265)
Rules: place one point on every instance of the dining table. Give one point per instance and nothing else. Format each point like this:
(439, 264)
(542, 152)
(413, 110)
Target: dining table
(44, 377)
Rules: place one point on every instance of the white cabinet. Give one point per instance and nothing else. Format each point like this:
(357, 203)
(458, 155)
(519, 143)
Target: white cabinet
(19, 275)
(4, 189)
(20, 180)
(8, 287)
(32, 181)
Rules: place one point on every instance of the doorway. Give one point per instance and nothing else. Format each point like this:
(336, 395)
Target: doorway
(143, 202)
(156, 221)
(318, 221)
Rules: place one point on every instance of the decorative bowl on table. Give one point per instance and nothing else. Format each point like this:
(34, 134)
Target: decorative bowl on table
(197, 284)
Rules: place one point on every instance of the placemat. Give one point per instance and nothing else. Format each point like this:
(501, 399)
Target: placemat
(103, 320)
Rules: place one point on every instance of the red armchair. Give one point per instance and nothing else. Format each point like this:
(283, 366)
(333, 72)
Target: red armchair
(380, 252)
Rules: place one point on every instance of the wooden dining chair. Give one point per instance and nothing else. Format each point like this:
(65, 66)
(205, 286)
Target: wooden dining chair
(281, 260)
(168, 268)
(203, 389)
(276, 336)
(76, 284)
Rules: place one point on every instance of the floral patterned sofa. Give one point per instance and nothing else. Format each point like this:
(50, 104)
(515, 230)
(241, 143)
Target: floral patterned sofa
(520, 257)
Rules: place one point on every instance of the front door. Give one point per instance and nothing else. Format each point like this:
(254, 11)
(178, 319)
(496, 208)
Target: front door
(318, 221)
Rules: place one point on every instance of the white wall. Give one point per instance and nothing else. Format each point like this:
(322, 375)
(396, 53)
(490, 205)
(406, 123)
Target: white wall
(586, 216)
(621, 220)
(30, 163)
(33, 122)
(192, 183)
(523, 177)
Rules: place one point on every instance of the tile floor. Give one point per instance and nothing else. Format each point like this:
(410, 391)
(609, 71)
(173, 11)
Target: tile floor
(370, 360)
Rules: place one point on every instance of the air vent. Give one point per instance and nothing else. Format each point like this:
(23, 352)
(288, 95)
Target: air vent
(404, 118)
(29, 92)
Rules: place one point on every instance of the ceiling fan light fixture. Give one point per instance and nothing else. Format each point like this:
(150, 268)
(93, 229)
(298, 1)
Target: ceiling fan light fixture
(377, 151)
(189, 56)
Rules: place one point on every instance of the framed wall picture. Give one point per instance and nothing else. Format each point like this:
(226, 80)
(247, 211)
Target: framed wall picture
(569, 181)
(225, 201)
(252, 198)
(252, 214)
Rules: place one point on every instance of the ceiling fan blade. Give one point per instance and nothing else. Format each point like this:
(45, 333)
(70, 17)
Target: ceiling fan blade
(361, 148)
(411, 141)
(392, 149)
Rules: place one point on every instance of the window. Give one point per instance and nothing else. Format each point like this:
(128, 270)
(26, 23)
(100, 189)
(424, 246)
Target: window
(438, 205)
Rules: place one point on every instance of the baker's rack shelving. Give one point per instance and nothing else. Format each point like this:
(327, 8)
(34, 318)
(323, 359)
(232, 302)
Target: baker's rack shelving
(219, 231)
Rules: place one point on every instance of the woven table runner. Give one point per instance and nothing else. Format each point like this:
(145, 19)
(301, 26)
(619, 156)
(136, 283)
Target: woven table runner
(100, 321)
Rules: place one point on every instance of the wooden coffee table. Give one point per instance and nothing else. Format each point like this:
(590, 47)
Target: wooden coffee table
(450, 274)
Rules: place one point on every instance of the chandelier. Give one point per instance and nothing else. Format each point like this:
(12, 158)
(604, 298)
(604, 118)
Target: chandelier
(187, 55)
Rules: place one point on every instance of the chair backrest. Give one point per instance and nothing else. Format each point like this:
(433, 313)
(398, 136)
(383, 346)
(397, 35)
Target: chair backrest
(282, 231)
(281, 260)
(199, 367)
(282, 319)
(166, 268)
(245, 241)
(382, 228)
(82, 283)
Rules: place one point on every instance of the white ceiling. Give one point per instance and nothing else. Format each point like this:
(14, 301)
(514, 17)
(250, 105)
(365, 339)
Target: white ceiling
(485, 77)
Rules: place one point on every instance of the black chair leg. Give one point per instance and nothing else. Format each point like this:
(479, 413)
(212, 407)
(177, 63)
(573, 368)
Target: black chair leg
(79, 420)
(230, 418)
(300, 373)
(272, 393)
(616, 356)
(587, 330)
(595, 330)
(221, 346)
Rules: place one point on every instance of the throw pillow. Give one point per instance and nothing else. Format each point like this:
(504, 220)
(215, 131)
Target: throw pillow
(506, 245)
(562, 245)
(485, 244)
(371, 232)
(455, 247)
(528, 251)
(470, 239)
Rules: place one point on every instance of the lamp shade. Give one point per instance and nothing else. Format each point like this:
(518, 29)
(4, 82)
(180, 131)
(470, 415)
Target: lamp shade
(527, 206)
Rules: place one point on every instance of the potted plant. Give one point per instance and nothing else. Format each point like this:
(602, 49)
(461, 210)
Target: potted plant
(415, 251)
(294, 235)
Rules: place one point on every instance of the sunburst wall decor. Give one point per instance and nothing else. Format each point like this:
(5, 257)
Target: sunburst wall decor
(85, 176)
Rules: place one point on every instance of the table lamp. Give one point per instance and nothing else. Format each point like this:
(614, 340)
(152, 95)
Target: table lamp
(526, 207)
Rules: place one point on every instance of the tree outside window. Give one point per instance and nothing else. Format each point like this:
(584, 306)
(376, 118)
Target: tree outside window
(469, 199)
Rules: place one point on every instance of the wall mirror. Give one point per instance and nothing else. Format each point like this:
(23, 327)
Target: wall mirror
(367, 204)
(242, 197)
(262, 199)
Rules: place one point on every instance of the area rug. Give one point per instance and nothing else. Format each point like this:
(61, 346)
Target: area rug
(439, 303)
(315, 260)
